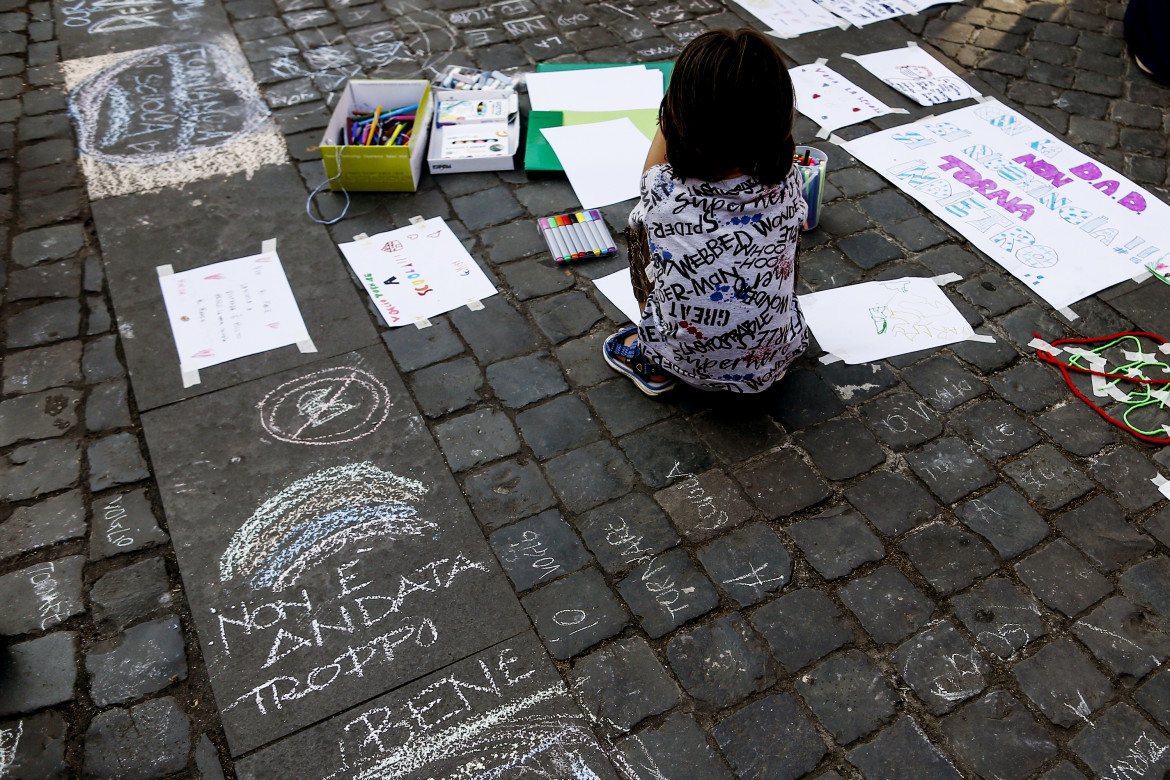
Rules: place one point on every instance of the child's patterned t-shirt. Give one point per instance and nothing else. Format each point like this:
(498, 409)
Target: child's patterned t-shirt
(722, 314)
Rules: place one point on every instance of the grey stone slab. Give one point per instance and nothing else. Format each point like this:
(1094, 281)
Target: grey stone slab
(503, 710)
(39, 525)
(892, 502)
(43, 324)
(950, 469)
(476, 438)
(1100, 530)
(1029, 387)
(42, 467)
(856, 383)
(943, 382)
(1063, 683)
(1047, 477)
(800, 627)
(31, 370)
(108, 407)
(496, 332)
(1062, 578)
(1077, 428)
(902, 752)
(1147, 584)
(41, 596)
(770, 739)
(1005, 519)
(941, 667)
(1002, 618)
(125, 596)
(149, 740)
(747, 564)
(781, 484)
(139, 661)
(849, 695)
(115, 460)
(948, 557)
(666, 592)
(39, 749)
(666, 451)
(575, 613)
(539, 549)
(623, 408)
(901, 420)
(50, 243)
(1158, 526)
(623, 684)
(38, 673)
(52, 280)
(627, 532)
(380, 539)
(556, 426)
(802, 399)
(236, 213)
(590, 476)
(721, 663)
(704, 505)
(447, 387)
(1154, 697)
(677, 749)
(999, 737)
(1123, 638)
(207, 764)
(1121, 743)
(836, 542)
(1126, 475)
(524, 380)
(413, 348)
(123, 522)
(842, 449)
(994, 429)
(888, 605)
(508, 491)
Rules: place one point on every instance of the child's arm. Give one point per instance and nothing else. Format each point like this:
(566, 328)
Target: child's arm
(657, 154)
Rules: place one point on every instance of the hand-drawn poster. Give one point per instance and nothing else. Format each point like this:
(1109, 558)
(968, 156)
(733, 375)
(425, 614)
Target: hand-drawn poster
(916, 74)
(863, 12)
(790, 18)
(417, 272)
(1062, 223)
(860, 323)
(832, 101)
(228, 310)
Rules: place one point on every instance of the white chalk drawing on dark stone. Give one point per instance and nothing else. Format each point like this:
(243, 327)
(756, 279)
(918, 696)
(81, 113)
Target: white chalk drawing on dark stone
(114, 16)
(9, 742)
(165, 104)
(316, 517)
(332, 406)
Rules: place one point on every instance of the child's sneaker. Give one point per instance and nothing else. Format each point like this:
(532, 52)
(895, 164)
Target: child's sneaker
(628, 359)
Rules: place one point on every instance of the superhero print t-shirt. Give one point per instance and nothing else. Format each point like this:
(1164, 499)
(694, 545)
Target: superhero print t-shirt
(722, 314)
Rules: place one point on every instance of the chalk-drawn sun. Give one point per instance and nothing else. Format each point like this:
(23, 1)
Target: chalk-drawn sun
(914, 71)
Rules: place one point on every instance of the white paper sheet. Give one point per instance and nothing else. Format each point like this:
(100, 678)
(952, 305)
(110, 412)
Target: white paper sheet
(596, 89)
(860, 323)
(917, 75)
(863, 12)
(229, 310)
(832, 101)
(603, 160)
(618, 288)
(790, 18)
(417, 272)
(1062, 223)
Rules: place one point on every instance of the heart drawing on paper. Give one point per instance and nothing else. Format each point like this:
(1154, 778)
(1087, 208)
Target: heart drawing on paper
(274, 324)
(264, 259)
(214, 276)
(815, 96)
(412, 236)
(855, 108)
(203, 353)
(436, 234)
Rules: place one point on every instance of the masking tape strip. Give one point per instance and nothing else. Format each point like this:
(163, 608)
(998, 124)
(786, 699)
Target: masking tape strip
(1068, 313)
(165, 270)
(1136, 373)
(820, 61)
(829, 357)
(1144, 357)
(1163, 396)
(850, 56)
(824, 132)
(361, 237)
(1164, 348)
(417, 220)
(1159, 481)
(421, 322)
(898, 111)
(1141, 277)
(984, 98)
(781, 35)
(1044, 346)
(1096, 362)
(911, 43)
(836, 139)
(946, 279)
(844, 24)
(268, 246)
(475, 304)
(306, 345)
(190, 376)
(981, 337)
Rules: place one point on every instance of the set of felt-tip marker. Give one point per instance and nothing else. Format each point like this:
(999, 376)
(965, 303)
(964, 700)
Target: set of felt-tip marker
(378, 127)
(457, 77)
(577, 236)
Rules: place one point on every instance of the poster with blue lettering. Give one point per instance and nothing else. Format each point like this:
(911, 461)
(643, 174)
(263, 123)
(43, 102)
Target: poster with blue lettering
(1062, 223)
(417, 272)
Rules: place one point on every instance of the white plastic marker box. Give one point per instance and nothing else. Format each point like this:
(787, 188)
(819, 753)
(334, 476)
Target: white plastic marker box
(474, 146)
(390, 167)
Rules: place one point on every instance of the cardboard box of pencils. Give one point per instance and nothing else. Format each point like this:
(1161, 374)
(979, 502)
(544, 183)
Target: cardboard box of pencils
(578, 236)
(460, 147)
(377, 136)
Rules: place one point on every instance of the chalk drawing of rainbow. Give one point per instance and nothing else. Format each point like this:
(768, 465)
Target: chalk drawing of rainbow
(318, 515)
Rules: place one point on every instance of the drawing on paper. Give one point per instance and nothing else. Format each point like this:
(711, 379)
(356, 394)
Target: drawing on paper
(917, 75)
(875, 320)
(331, 406)
(316, 517)
(832, 101)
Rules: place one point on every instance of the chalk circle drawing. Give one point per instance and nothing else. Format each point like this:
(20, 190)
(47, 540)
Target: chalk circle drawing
(9, 742)
(316, 517)
(332, 406)
(165, 104)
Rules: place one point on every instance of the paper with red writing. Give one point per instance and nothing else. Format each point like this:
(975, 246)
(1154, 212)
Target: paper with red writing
(832, 101)
(917, 75)
(229, 310)
(790, 18)
(417, 272)
(1062, 223)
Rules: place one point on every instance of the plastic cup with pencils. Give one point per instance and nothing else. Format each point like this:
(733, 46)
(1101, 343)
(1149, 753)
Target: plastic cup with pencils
(813, 165)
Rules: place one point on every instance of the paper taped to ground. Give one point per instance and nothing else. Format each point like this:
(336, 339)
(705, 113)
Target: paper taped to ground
(1062, 223)
(863, 12)
(790, 18)
(871, 321)
(232, 309)
(831, 100)
(596, 89)
(417, 272)
(618, 288)
(603, 160)
(917, 75)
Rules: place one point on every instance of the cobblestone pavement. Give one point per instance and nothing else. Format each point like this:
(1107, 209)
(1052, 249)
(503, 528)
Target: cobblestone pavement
(941, 565)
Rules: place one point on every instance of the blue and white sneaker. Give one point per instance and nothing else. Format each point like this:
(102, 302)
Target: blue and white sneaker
(647, 375)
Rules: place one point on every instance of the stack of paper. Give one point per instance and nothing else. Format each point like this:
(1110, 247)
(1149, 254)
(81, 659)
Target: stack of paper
(596, 89)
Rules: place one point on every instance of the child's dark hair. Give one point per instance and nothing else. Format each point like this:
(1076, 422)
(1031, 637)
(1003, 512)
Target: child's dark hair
(729, 107)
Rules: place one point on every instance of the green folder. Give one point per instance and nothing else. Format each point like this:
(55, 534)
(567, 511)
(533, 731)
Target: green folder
(539, 155)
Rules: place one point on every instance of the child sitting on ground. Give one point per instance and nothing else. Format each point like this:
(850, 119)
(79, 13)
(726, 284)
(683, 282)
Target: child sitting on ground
(713, 238)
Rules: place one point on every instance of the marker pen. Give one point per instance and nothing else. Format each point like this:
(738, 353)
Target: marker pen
(574, 241)
(591, 237)
(609, 244)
